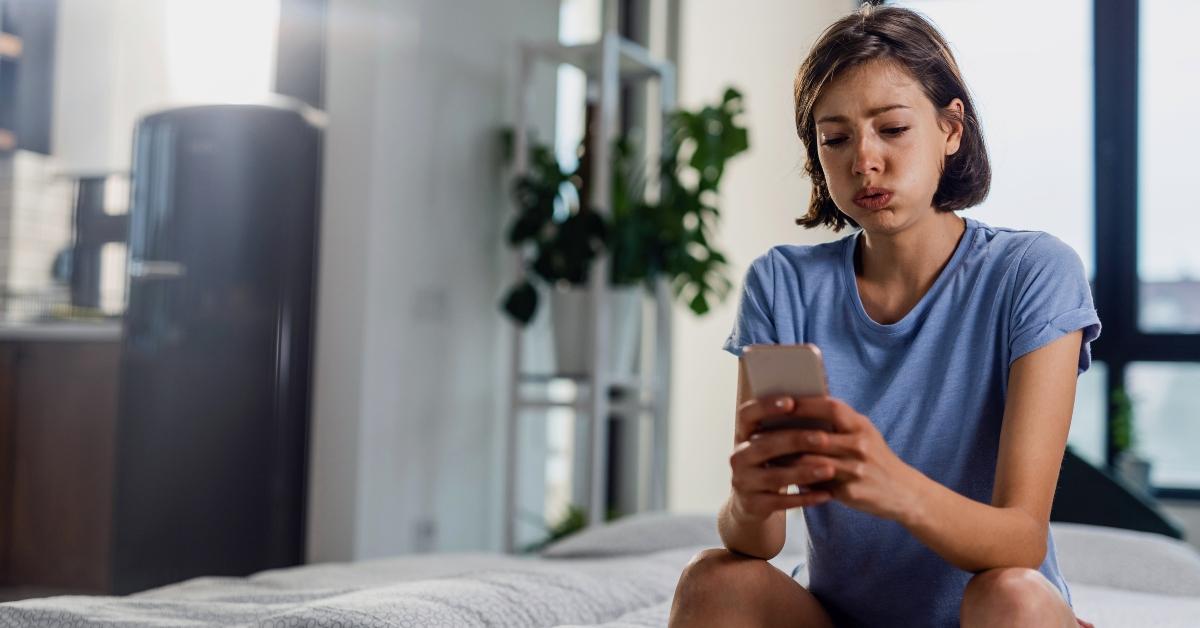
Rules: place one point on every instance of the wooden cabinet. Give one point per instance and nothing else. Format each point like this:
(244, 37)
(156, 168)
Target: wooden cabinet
(58, 408)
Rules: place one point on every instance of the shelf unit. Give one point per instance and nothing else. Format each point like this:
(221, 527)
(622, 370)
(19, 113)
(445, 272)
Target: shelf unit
(10, 53)
(606, 63)
(28, 33)
(11, 47)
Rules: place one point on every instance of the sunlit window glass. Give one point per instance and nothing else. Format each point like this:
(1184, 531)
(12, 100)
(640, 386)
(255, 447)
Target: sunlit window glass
(1168, 258)
(1037, 125)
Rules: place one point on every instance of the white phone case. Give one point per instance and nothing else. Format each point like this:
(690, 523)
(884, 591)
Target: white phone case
(796, 370)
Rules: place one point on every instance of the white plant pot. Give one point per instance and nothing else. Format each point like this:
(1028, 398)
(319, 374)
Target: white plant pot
(573, 319)
(1135, 470)
(626, 329)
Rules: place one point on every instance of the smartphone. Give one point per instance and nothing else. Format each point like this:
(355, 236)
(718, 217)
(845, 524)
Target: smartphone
(795, 370)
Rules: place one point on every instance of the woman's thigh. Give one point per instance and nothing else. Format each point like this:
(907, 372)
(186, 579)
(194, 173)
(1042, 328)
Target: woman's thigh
(722, 588)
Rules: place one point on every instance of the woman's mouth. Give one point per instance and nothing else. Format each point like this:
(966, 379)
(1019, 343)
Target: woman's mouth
(873, 199)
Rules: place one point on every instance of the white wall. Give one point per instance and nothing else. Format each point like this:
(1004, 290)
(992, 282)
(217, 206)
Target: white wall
(119, 59)
(410, 351)
(762, 193)
(109, 70)
(410, 344)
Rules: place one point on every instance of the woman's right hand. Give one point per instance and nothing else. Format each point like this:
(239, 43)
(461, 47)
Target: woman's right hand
(759, 490)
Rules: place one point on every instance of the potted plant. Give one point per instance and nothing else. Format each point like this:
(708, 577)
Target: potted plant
(646, 238)
(1130, 465)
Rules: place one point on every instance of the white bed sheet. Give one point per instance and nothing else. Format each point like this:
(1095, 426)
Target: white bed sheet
(1117, 578)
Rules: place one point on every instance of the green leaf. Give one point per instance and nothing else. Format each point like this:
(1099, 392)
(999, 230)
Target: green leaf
(736, 141)
(521, 302)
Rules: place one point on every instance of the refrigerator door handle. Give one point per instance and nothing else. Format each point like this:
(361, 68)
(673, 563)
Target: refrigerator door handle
(156, 269)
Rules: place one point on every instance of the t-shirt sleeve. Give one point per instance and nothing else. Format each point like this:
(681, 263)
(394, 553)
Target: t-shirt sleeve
(754, 324)
(1052, 299)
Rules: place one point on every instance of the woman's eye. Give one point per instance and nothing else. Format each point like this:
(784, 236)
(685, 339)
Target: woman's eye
(833, 142)
(894, 131)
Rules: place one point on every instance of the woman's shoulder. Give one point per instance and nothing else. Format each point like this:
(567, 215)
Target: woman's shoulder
(1027, 249)
(801, 258)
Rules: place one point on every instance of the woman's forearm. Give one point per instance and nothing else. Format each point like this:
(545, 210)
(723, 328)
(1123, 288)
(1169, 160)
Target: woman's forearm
(762, 539)
(971, 535)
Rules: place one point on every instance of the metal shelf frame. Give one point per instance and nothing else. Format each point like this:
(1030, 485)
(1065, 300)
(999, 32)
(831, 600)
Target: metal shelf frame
(606, 63)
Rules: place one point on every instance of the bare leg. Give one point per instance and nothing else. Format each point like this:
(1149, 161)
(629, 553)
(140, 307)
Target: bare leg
(722, 588)
(1014, 596)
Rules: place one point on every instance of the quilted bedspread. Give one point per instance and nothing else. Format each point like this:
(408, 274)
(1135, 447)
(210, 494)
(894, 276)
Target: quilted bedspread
(1117, 578)
(424, 590)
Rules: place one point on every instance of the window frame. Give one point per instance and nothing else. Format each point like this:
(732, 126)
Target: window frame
(1115, 285)
(1116, 83)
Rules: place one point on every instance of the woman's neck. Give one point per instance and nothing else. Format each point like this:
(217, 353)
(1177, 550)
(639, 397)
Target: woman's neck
(905, 264)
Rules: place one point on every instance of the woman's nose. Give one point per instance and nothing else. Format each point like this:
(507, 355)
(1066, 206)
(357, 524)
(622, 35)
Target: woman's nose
(867, 155)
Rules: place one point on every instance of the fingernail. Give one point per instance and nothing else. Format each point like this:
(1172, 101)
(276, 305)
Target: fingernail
(783, 403)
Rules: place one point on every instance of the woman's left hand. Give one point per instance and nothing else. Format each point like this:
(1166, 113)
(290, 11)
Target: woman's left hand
(868, 475)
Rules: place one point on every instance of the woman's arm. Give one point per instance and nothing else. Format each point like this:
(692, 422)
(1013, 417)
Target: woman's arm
(973, 536)
(1011, 532)
(763, 538)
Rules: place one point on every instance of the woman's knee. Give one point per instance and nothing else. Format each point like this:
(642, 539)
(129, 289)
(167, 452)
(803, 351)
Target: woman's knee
(718, 572)
(722, 588)
(1012, 594)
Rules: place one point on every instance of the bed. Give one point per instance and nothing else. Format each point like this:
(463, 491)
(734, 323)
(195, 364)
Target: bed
(619, 575)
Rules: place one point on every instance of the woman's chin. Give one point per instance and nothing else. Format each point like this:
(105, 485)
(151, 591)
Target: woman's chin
(882, 221)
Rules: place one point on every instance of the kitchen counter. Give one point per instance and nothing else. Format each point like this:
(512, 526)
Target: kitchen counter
(72, 331)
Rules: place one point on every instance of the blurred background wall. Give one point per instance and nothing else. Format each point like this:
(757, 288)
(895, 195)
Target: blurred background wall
(411, 352)
(763, 192)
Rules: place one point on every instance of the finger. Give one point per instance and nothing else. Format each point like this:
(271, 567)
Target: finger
(760, 448)
(851, 445)
(754, 452)
(843, 417)
(843, 468)
(809, 469)
(748, 462)
(772, 479)
(754, 410)
(798, 500)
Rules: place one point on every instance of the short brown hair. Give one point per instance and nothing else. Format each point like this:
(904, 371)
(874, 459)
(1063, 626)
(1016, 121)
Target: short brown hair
(906, 38)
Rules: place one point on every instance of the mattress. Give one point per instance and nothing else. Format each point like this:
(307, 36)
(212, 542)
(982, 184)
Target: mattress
(619, 575)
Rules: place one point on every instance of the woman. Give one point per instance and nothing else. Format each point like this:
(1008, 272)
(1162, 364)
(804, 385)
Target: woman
(951, 348)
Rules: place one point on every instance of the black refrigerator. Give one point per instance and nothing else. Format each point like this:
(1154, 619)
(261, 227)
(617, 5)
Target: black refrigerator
(213, 409)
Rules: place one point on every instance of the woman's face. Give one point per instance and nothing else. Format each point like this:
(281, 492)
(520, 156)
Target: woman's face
(876, 128)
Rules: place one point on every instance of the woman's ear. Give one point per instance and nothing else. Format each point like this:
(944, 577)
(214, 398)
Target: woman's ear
(954, 137)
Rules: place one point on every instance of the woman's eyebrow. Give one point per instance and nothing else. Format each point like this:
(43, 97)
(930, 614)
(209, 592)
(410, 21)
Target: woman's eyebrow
(873, 112)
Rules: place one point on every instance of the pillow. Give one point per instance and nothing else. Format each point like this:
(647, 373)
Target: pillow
(1125, 559)
(649, 532)
(641, 533)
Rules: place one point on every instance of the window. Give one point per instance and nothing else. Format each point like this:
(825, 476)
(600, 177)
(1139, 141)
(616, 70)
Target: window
(1033, 187)
(1088, 428)
(1102, 80)
(1168, 260)
(1165, 397)
(1156, 265)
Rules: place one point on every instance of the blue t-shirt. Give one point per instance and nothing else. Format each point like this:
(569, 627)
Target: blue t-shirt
(933, 383)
